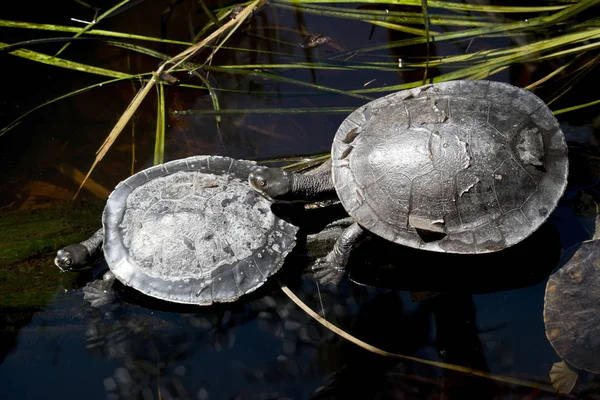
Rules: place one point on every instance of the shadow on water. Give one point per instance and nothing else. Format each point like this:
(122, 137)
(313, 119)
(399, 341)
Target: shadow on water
(380, 264)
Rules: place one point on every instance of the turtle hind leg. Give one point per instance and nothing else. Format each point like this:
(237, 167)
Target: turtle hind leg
(100, 292)
(332, 268)
(562, 377)
(77, 256)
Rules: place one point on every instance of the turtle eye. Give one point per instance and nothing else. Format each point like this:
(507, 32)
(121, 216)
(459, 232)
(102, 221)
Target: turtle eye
(68, 261)
(262, 182)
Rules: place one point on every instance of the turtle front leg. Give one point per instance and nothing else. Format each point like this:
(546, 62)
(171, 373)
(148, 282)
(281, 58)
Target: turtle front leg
(75, 257)
(332, 268)
(100, 292)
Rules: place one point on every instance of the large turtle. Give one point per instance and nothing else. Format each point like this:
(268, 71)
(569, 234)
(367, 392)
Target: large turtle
(572, 314)
(188, 231)
(459, 167)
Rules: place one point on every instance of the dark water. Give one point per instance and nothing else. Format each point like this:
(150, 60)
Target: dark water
(265, 347)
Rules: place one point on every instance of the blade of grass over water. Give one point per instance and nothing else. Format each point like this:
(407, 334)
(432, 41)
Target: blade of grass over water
(221, 15)
(577, 107)
(427, 37)
(211, 16)
(96, 32)
(227, 36)
(318, 64)
(16, 122)
(447, 5)
(529, 24)
(189, 66)
(213, 94)
(377, 16)
(325, 64)
(275, 77)
(552, 74)
(534, 50)
(278, 111)
(132, 167)
(402, 28)
(7, 47)
(159, 141)
(496, 59)
(176, 61)
(100, 18)
(61, 62)
(579, 73)
(373, 349)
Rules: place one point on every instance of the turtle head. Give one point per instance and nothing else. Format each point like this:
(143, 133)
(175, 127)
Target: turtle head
(73, 257)
(272, 183)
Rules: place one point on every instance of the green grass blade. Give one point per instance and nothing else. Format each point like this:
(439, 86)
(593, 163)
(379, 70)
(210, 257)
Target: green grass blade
(279, 111)
(425, 10)
(267, 75)
(18, 120)
(496, 59)
(89, 26)
(33, 42)
(96, 32)
(530, 24)
(402, 28)
(220, 16)
(579, 73)
(159, 141)
(577, 107)
(213, 94)
(455, 6)
(549, 76)
(62, 63)
(384, 16)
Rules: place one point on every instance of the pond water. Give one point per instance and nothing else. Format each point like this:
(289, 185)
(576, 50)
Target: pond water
(485, 314)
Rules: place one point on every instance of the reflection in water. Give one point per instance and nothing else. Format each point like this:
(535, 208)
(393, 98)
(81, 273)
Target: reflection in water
(383, 322)
(457, 341)
(169, 355)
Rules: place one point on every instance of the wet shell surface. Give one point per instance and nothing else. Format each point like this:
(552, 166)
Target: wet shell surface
(460, 167)
(192, 231)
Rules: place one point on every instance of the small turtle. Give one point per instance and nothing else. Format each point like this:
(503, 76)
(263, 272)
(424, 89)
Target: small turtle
(188, 231)
(572, 315)
(458, 167)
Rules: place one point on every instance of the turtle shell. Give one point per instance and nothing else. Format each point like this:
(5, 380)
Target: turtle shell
(460, 167)
(572, 307)
(192, 231)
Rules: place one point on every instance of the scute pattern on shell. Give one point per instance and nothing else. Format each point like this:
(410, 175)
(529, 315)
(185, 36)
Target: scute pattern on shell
(572, 307)
(192, 231)
(479, 164)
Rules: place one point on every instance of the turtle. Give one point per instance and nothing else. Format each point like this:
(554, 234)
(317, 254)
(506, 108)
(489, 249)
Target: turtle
(572, 314)
(189, 231)
(458, 167)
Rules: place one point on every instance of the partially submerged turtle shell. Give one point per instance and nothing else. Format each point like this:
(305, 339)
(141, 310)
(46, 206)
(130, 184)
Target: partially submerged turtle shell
(572, 307)
(461, 167)
(192, 231)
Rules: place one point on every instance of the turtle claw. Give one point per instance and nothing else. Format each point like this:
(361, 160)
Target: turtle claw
(100, 292)
(327, 272)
